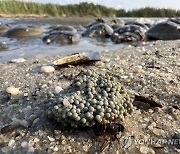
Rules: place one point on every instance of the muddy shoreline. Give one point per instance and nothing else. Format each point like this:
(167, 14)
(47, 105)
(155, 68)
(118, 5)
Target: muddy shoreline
(150, 69)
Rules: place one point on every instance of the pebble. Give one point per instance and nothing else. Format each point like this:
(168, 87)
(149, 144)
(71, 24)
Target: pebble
(47, 69)
(36, 121)
(151, 126)
(144, 149)
(58, 89)
(31, 150)
(32, 117)
(12, 90)
(24, 144)
(51, 138)
(19, 60)
(25, 94)
(15, 122)
(11, 143)
(36, 140)
(27, 110)
(31, 143)
(5, 149)
(66, 102)
(158, 132)
(55, 149)
(127, 80)
(120, 71)
(138, 71)
(24, 123)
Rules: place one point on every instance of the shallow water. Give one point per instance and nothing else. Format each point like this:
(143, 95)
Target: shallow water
(31, 46)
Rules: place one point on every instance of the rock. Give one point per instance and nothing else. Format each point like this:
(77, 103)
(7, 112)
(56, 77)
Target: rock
(19, 60)
(79, 58)
(47, 69)
(12, 90)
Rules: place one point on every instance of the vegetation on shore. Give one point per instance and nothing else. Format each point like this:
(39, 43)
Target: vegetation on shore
(16, 7)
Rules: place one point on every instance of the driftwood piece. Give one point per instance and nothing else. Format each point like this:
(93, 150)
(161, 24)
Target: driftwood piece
(153, 103)
(78, 58)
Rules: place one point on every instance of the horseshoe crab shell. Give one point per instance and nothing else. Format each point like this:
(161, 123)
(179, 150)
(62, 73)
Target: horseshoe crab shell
(63, 28)
(145, 27)
(99, 30)
(128, 33)
(164, 31)
(3, 28)
(28, 31)
(61, 37)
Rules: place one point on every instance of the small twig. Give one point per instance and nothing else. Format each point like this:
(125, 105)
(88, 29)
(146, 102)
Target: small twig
(150, 101)
(105, 145)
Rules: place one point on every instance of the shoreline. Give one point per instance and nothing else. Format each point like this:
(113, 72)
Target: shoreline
(23, 16)
(151, 69)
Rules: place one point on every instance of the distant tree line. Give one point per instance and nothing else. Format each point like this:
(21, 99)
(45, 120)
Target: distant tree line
(15, 7)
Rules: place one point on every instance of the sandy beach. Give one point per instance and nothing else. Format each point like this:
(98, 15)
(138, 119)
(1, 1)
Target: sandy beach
(150, 69)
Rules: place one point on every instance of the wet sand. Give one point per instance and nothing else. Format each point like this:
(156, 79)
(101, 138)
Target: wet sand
(150, 69)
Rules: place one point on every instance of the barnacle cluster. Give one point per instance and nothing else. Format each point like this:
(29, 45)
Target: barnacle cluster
(92, 98)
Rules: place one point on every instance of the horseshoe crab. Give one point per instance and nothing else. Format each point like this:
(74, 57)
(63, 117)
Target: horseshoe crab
(168, 30)
(63, 28)
(61, 37)
(128, 33)
(137, 24)
(101, 30)
(115, 21)
(3, 28)
(97, 21)
(28, 31)
(175, 20)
